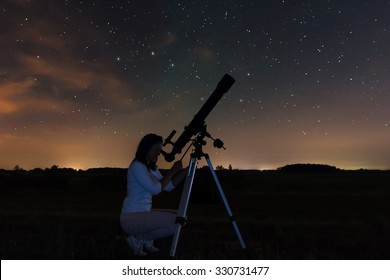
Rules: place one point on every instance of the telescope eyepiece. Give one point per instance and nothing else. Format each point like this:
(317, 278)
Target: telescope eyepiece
(168, 157)
(168, 140)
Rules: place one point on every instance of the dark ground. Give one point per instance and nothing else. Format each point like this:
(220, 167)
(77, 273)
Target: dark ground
(64, 214)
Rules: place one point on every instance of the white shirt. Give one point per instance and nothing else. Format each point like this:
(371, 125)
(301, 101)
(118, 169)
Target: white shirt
(142, 184)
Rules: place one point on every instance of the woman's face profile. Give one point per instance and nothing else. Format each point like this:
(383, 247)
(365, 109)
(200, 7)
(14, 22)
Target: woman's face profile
(154, 152)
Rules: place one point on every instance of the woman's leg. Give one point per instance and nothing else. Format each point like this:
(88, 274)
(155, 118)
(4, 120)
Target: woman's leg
(149, 225)
(166, 210)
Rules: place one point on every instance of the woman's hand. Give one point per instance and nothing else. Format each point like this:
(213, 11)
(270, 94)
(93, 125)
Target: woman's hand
(171, 174)
(179, 176)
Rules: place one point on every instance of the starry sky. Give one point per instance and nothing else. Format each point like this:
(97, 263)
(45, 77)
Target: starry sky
(83, 81)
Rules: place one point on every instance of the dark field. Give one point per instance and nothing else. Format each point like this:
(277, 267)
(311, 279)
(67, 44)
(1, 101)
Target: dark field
(64, 214)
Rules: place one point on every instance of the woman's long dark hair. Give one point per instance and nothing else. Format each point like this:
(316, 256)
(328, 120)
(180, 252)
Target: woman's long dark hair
(144, 146)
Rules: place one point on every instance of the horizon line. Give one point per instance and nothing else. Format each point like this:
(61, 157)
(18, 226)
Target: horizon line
(218, 167)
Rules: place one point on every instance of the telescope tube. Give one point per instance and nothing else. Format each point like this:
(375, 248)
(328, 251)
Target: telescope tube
(197, 122)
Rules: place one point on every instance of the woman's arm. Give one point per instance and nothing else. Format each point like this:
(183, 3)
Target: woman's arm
(170, 175)
(179, 176)
(143, 177)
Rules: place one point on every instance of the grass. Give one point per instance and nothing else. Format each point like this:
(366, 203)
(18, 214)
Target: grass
(281, 216)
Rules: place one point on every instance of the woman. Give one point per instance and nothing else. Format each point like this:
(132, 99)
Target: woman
(138, 219)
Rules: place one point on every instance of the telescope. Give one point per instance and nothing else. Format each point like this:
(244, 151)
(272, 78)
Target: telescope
(197, 124)
(197, 128)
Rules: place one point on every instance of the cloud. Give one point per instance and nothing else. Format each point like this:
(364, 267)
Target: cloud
(76, 77)
(44, 68)
(205, 54)
(168, 39)
(14, 98)
(68, 75)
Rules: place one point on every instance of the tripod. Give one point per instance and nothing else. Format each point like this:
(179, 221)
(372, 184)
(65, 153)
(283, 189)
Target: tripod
(181, 216)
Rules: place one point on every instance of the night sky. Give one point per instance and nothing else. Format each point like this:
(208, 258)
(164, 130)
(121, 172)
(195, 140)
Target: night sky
(83, 81)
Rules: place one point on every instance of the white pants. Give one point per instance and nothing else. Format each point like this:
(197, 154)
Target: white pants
(151, 225)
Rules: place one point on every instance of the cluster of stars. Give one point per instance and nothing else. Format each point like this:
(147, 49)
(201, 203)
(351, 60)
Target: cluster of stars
(312, 69)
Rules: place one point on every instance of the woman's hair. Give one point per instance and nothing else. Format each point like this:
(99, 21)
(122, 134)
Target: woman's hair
(144, 146)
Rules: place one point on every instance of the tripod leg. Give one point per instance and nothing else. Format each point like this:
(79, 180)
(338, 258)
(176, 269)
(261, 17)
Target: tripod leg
(229, 211)
(181, 215)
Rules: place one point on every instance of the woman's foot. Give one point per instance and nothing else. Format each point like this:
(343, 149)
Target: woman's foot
(136, 246)
(149, 246)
